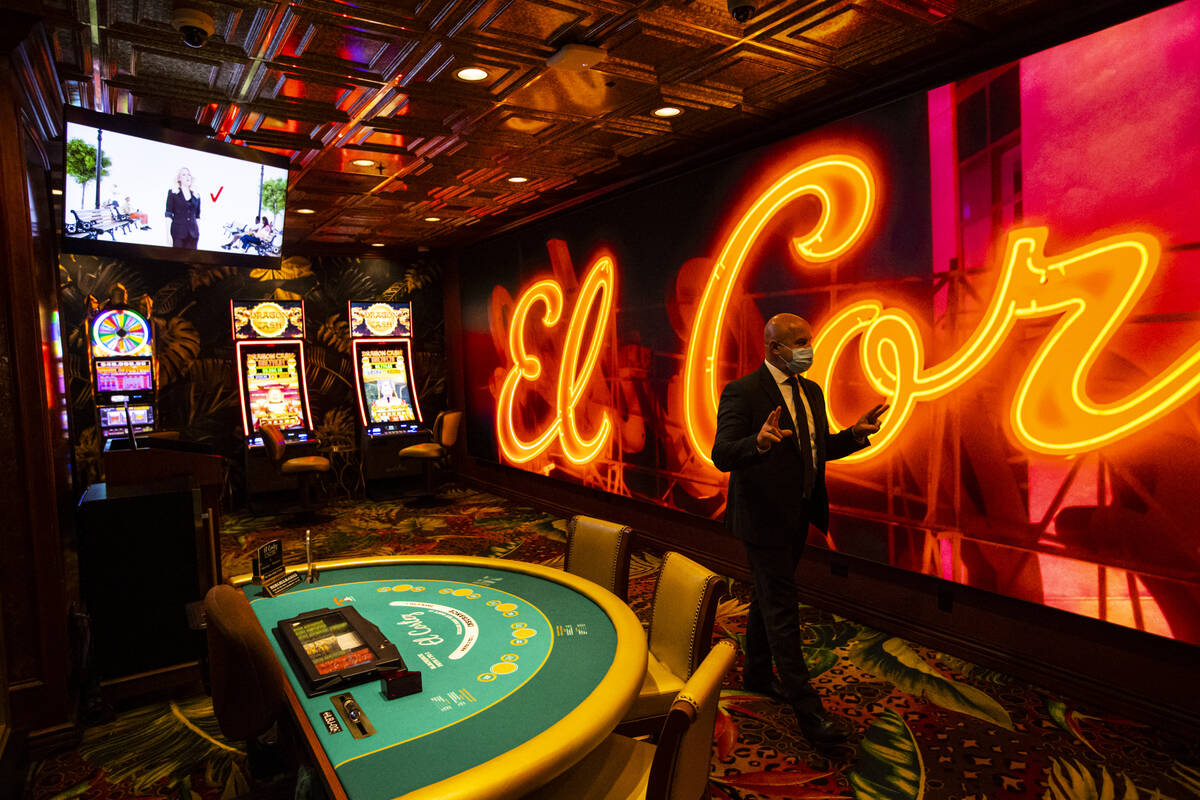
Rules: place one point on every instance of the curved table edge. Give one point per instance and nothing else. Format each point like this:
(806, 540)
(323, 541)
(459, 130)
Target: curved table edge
(544, 757)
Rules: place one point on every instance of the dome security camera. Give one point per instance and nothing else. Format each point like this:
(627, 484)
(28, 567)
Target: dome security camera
(741, 10)
(194, 25)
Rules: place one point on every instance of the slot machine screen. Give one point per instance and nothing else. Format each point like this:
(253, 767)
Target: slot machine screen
(386, 390)
(112, 419)
(126, 375)
(272, 387)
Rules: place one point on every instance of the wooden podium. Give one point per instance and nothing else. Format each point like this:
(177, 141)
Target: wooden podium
(156, 460)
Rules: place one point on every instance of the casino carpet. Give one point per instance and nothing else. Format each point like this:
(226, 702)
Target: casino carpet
(928, 725)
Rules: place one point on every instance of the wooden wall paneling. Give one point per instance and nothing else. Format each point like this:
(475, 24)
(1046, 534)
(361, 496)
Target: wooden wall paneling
(33, 585)
(11, 742)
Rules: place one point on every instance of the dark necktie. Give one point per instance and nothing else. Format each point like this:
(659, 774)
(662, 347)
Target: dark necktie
(802, 437)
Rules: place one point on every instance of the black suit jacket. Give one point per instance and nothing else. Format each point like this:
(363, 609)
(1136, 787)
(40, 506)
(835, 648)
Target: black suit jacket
(183, 214)
(766, 505)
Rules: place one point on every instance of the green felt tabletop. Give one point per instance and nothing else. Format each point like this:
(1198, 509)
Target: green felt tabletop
(504, 655)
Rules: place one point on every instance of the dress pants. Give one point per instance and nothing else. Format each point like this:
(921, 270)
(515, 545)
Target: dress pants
(773, 624)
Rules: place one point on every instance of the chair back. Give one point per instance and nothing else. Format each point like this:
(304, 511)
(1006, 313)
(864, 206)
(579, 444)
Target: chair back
(448, 434)
(599, 551)
(682, 613)
(681, 762)
(247, 681)
(275, 442)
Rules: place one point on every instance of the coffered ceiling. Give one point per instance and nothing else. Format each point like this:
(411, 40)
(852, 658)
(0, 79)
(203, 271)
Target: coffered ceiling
(388, 146)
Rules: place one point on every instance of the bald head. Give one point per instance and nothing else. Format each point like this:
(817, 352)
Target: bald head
(787, 329)
(782, 333)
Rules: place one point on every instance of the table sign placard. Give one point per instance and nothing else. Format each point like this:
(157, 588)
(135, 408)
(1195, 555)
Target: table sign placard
(270, 561)
(331, 723)
(281, 584)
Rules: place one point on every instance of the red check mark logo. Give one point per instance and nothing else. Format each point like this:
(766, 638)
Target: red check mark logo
(218, 194)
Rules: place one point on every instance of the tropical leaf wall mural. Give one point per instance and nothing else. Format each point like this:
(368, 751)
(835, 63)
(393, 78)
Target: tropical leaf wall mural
(189, 307)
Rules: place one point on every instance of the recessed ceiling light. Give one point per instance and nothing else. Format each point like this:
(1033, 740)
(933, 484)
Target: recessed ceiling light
(376, 244)
(433, 219)
(305, 211)
(471, 74)
(518, 179)
(667, 111)
(363, 162)
(56, 192)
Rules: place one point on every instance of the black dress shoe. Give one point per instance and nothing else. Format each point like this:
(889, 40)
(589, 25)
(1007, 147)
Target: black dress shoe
(822, 727)
(772, 689)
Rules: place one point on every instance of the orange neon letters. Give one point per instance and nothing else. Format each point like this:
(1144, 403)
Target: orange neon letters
(846, 188)
(1091, 290)
(598, 287)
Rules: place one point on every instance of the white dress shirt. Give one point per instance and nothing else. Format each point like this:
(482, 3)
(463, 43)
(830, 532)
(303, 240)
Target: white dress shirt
(784, 379)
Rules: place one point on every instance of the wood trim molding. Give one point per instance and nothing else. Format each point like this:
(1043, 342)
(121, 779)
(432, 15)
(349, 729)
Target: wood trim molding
(1077, 656)
(40, 692)
(40, 90)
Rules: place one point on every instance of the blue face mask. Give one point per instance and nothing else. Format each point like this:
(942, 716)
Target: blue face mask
(802, 359)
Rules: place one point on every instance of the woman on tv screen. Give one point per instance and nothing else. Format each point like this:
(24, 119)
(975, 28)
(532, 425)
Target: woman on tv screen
(183, 209)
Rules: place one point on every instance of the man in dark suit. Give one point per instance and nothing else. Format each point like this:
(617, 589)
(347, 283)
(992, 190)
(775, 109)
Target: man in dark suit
(773, 438)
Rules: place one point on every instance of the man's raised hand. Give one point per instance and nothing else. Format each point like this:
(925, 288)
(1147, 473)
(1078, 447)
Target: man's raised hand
(770, 432)
(868, 423)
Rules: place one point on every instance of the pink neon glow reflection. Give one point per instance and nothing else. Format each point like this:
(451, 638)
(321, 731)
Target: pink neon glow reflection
(943, 172)
(947, 549)
(1074, 585)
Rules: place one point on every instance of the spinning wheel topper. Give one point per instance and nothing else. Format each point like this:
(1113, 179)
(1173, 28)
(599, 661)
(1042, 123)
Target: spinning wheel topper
(120, 332)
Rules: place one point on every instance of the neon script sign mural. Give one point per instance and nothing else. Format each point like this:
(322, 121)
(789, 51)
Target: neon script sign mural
(1091, 291)
(598, 288)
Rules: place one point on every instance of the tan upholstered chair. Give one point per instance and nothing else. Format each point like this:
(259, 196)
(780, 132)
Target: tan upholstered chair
(247, 681)
(306, 468)
(681, 623)
(599, 551)
(434, 453)
(677, 769)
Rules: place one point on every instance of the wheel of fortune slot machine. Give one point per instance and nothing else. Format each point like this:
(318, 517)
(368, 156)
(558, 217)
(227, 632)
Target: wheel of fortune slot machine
(121, 344)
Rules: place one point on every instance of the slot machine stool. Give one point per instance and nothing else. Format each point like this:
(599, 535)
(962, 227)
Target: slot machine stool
(445, 434)
(305, 468)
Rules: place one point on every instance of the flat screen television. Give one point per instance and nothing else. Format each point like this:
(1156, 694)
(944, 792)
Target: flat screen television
(134, 190)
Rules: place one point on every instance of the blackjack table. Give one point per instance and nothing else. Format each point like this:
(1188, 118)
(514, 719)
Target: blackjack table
(524, 670)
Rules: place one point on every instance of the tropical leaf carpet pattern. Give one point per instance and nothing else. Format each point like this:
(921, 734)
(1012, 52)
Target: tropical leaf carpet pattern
(927, 725)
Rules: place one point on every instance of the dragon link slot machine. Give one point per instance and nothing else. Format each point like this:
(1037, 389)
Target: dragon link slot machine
(381, 343)
(121, 342)
(269, 343)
